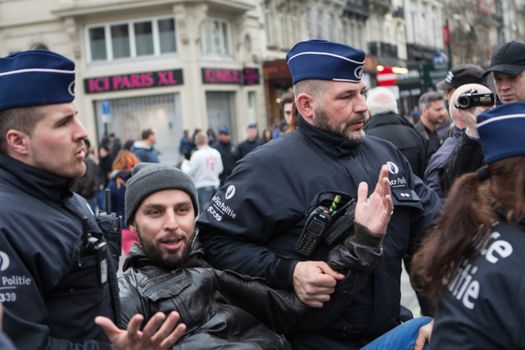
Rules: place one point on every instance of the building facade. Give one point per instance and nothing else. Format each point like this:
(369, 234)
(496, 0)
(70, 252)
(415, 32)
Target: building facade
(166, 65)
(184, 64)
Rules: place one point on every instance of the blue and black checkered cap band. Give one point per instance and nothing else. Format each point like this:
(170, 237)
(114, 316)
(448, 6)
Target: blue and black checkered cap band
(34, 78)
(325, 60)
(501, 131)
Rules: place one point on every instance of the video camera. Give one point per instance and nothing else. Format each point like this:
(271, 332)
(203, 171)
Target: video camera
(474, 99)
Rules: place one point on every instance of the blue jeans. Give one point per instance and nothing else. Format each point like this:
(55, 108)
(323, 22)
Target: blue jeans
(403, 337)
(204, 194)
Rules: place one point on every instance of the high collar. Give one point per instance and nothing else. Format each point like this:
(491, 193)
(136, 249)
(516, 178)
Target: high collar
(332, 144)
(37, 182)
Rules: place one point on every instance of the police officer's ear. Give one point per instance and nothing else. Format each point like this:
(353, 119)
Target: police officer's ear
(305, 105)
(17, 143)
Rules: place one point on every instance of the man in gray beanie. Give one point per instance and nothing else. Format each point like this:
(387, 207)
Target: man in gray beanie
(166, 270)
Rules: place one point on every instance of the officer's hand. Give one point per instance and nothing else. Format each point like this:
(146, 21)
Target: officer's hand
(158, 333)
(374, 212)
(314, 281)
(423, 335)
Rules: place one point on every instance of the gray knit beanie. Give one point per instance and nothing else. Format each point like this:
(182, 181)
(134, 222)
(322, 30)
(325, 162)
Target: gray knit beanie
(149, 178)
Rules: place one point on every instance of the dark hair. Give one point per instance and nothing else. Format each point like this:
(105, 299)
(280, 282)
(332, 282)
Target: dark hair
(23, 119)
(147, 133)
(466, 221)
(287, 98)
(428, 97)
(128, 144)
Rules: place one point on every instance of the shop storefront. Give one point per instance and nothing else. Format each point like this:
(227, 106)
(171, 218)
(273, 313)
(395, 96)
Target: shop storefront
(157, 105)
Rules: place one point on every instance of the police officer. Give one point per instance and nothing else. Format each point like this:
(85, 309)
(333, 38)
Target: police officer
(253, 223)
(56, 269)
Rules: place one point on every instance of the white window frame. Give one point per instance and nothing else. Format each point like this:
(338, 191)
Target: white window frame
(132, 41)
(204, 36)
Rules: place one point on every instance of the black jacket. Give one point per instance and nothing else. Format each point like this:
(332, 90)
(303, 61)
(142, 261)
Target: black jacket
(51, 288)
(466, 157)
(483, 307)
(396, 129)
(247, 146)
(228, 153)
(223, 309)
(253, 222)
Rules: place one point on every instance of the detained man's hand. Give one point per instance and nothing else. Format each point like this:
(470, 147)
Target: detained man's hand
(375, 211)
(160, 332)
(423, 336)
(314, 281)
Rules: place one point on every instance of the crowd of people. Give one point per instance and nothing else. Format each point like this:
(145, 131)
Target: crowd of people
(296, 243)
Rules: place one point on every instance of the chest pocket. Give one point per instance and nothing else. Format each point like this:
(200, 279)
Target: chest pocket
(172, 292)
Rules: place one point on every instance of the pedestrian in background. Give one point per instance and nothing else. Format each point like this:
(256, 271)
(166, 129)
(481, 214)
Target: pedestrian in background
(251, 142)
(144, 149)
(433, 114)
(204, 168)
(87, 185)
(228, 152)
(122, 166)
(386, 123)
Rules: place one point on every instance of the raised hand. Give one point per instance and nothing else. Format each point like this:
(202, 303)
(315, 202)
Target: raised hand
(374, 212)
(160, 332)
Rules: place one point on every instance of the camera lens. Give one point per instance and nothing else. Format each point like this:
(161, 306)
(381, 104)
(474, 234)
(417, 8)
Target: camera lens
(463, 102)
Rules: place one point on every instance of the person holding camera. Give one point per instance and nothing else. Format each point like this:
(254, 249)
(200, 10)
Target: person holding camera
(466, 101)
(254, 222)
(507, 66)
(460, 75)
(472, 264)
(57, 261)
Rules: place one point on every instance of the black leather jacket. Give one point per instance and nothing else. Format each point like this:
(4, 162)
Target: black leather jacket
(224, 308)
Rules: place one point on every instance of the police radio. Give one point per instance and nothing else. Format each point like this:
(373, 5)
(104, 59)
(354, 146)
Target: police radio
(332, 218)
(313, 231)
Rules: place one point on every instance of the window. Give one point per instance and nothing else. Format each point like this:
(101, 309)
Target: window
(120, 41)
(148, 37)
(97, 41)
(167, 40)
(144, 38)
(216, 38)
(268, 19)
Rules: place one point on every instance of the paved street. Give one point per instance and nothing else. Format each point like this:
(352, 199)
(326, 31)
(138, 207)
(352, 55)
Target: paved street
(408, 297)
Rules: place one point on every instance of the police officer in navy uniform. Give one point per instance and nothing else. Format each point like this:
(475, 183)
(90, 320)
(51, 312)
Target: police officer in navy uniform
(57, 266)
(253, 223)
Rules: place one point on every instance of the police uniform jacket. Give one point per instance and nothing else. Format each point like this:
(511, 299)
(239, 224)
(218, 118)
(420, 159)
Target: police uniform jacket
(253, 222)
(50, 287)
(483, 306)
(223, 309)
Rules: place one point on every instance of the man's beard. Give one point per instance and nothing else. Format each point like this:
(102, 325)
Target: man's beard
(152, 251)
(322, 121)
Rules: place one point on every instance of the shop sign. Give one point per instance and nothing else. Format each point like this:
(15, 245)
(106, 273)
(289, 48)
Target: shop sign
(133, 81)
(250, 76)
(221, 76)
(247, 76)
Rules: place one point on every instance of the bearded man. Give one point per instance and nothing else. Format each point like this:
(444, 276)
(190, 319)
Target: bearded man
(253, 223)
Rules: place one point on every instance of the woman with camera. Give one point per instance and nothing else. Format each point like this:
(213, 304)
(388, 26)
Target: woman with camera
(472, 265)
